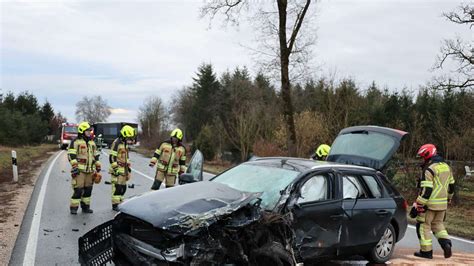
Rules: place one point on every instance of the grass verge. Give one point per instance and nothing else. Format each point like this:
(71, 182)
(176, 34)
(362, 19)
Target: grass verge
(25, 157)
(15, 196)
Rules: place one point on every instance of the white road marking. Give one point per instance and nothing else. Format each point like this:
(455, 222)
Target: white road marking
(149, 177)
(452, 237)
(30, 251)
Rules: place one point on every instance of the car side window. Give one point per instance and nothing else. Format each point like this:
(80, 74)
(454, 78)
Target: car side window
(373, 186)
(351, 188)
(314, 189)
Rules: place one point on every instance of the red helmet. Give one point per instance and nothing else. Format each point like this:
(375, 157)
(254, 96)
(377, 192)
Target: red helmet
(427, 151)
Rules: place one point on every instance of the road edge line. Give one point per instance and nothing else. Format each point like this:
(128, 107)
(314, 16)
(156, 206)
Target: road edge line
(452, 237)
(31, 245)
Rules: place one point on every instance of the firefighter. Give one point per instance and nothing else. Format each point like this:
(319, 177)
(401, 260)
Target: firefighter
(120, 165)
(170, 158)
(84, 159)
(436, 191)
(321, 153)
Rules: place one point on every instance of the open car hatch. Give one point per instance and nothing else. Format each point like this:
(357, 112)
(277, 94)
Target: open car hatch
(370, 146)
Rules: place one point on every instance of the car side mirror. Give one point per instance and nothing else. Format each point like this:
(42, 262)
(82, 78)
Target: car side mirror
(186, 178)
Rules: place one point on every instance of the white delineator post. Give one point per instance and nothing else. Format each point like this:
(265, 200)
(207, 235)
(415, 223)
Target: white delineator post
(15, 167)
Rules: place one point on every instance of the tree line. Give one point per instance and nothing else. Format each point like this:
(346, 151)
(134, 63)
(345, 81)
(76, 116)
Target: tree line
(25, 121)
(240, 114)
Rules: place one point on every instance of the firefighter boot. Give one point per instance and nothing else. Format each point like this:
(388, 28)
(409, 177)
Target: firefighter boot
(86, 208)
(73, 210)
(156, 185)
(115, 207)
(424, 254)
(446, 246)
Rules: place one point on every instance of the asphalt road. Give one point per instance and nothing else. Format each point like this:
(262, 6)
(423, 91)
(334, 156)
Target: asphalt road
(49, 234)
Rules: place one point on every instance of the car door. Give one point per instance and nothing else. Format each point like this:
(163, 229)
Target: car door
(194, 169)
(368, 211)
(317, 215)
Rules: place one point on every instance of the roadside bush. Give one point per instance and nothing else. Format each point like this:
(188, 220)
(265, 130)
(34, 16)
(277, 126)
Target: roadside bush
(19, 129)
(24, 122)
(266, 148)
(311, 131)
(206, 143)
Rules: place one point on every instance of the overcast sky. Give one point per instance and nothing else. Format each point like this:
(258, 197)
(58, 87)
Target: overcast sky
(127, 51)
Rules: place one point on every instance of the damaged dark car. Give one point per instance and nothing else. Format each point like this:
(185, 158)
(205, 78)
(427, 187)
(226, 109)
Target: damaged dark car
(265, 211)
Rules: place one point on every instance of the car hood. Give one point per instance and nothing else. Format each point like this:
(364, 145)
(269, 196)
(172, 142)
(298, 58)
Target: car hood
(184, 209)
(370, 146)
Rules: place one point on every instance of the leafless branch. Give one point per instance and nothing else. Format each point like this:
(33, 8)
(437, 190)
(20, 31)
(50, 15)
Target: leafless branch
(229, 8)
(448, 84)
(465, 17)
(458, 51)
(298, 23)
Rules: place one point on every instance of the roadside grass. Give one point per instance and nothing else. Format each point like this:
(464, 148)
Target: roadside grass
(25, 156)
(29, 159)
(217, 167)
(147, 152)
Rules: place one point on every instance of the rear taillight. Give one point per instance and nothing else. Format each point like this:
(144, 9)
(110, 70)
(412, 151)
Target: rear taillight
(405, 204)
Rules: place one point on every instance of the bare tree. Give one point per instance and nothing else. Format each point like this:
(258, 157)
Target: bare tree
(243, 129)
(285, 25)
(462, 53)
(153, 118)
(94, 109)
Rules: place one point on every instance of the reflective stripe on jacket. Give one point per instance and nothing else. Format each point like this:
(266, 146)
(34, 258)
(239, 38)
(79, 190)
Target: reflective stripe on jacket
(119, 158)
(437, 178)
(169, 159)
(83, 155)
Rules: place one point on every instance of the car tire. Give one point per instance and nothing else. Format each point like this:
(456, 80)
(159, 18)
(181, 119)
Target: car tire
(274, 253)
(383, 250)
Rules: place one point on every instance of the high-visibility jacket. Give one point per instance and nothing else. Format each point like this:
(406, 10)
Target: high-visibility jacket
(84, 155)
(118, 158)
(437, 185)
(169, 159)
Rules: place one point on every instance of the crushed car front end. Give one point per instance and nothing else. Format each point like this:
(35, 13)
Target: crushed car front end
(228, 227)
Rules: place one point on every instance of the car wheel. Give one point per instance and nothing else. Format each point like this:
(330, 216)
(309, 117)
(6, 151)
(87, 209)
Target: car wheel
(273, 253)
(382, 252)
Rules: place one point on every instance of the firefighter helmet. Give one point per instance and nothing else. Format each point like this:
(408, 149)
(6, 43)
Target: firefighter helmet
(127, 132)
(83, 126)
(426, 151)
(323, 150)
(177, 133)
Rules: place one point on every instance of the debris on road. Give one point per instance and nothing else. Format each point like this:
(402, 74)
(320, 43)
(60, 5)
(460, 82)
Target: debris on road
(48, 230)
(75, 230)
